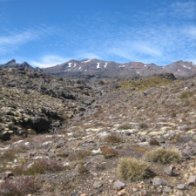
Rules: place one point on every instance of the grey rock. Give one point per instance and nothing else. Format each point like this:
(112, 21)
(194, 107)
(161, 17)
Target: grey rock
(167, 189)
(118, 185)
(170, 171)
(189, 150)
(97, 185)
(192, 180)
(2, 182)
(182, 186)
(158, 181)
(5, 136)
(8, 174)
(183, 127)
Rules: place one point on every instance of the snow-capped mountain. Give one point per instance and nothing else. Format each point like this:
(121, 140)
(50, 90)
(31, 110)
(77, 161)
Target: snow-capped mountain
(101, 68)
(109, 69)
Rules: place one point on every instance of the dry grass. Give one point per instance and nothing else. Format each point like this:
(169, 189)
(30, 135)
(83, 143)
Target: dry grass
(164, 156)
(79, 155)
(19, 187)
(132, 169)
(8, 155)
(108, 152)
(144, 84)
(143, 126)
(113, 139)
(125, 126)
(39, 166)
(187, 94)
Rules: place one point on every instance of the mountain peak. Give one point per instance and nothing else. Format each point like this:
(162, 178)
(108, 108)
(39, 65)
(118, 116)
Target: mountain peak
(11, 62)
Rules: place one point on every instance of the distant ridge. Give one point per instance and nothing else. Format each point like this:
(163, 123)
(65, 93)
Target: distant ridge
(110, 69)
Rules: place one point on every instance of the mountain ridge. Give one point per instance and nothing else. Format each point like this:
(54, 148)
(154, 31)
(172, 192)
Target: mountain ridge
(111, 69)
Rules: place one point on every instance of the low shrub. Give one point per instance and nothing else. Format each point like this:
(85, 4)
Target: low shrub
(125, 126)
(163, 155)
(8, 155)
(39, 166)
(113, 138)
(133, 169)
(108, 152)
(187, 95)
(79, 155)
(19, 187)
(143, 126)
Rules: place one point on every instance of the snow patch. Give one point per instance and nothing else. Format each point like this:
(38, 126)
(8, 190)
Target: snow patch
(87, 61)
(69, 65)
(75, 64)
(98, 66)
(105, 65)
(186, 67)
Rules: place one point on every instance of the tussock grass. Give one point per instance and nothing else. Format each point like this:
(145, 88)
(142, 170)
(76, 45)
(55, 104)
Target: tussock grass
(163, 155)
(19, 187)
(113, 139)
(40, 166)
(133, 169)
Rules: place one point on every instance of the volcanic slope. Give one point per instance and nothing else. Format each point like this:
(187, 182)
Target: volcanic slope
(150, 121)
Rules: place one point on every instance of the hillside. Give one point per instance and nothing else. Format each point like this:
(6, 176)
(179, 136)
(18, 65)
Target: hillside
(62, 136)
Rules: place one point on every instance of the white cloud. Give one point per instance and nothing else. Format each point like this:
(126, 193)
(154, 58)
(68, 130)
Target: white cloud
(18, 38)
(49, 61)
(159, 44)
(13, 41)
(135, 51)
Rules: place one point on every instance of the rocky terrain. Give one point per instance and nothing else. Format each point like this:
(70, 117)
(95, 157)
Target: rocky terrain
(102, 137)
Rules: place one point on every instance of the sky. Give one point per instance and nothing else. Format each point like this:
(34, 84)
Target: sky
(49, 32)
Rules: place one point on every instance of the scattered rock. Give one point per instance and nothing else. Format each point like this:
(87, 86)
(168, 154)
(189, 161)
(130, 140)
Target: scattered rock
(192, 180)
(118, 185)
(8, 174)
(182, 186)
(167, 189)
(159, 182)
(96, 152)
(122, 192)
(97, 185)
(5, 135)
(170, 171)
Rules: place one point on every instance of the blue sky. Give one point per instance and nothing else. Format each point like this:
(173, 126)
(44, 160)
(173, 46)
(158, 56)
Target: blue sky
(48, 32)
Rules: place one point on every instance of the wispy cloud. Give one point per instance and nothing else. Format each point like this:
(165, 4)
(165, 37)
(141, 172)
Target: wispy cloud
(19, 38)
(159, 42)
(155, 44)
(137, 51)
(14, 40)
(49, 60)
